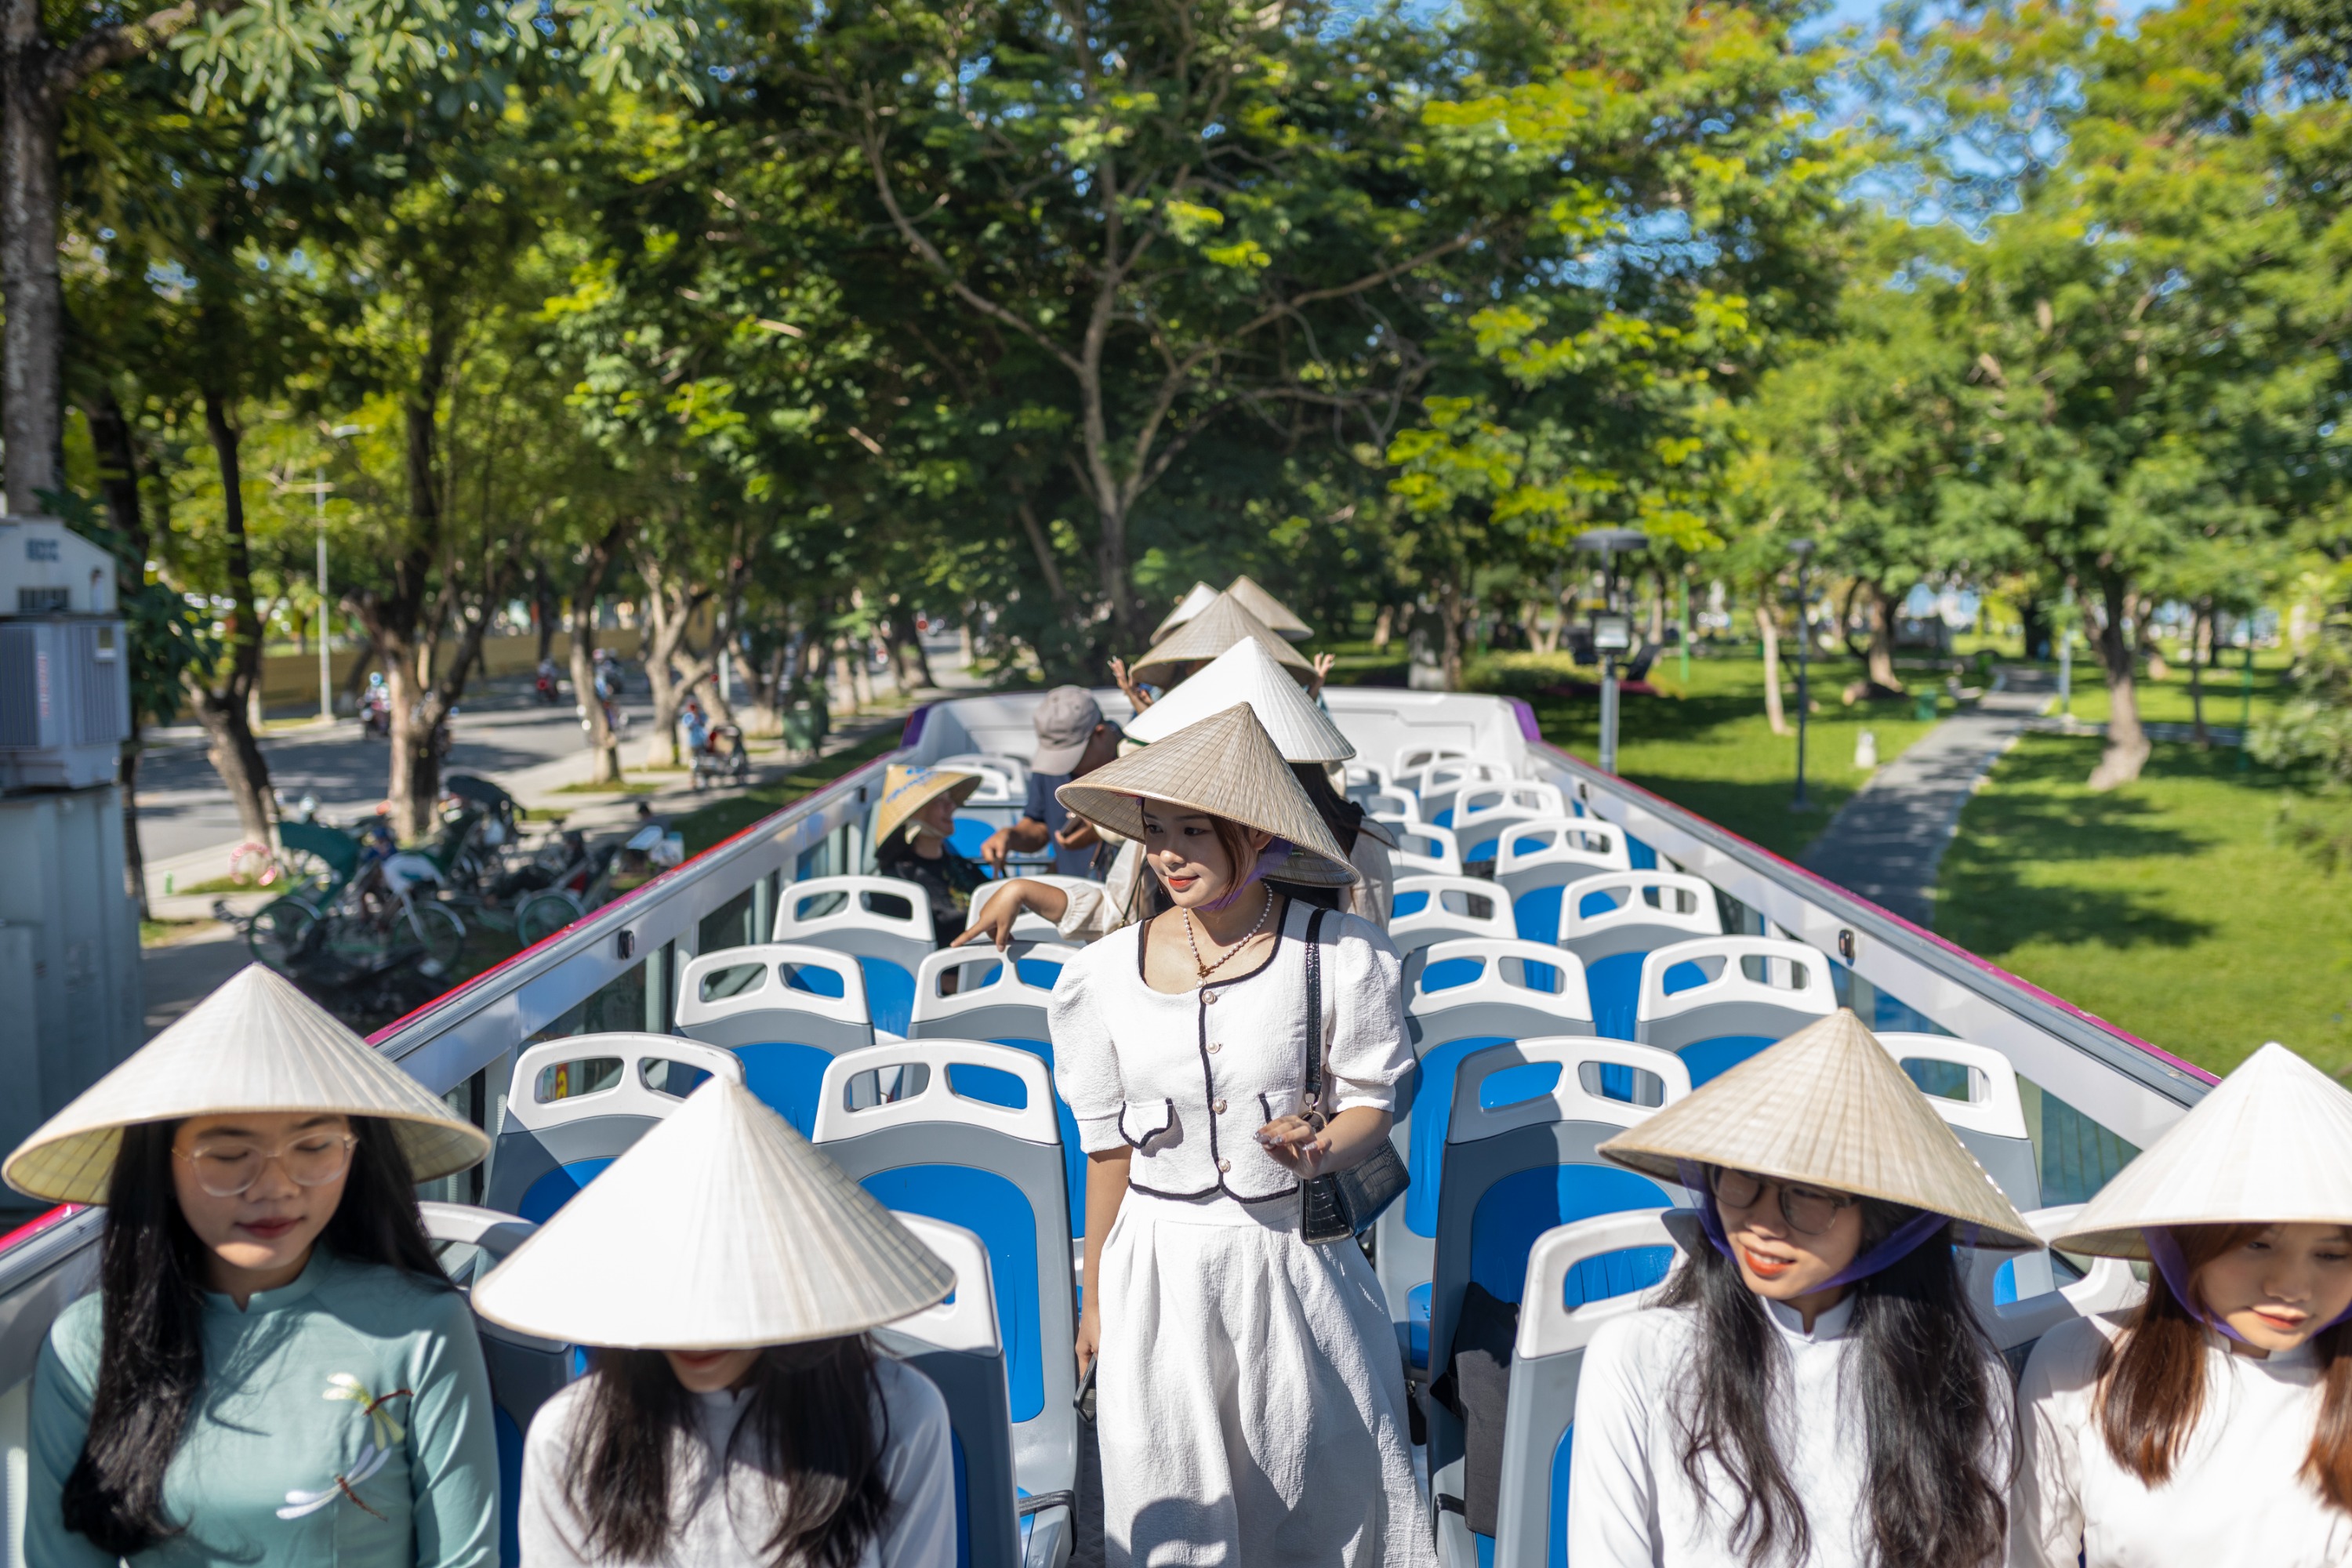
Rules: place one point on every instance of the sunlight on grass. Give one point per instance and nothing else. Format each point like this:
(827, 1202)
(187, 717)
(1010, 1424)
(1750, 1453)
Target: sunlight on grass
(2177, 907)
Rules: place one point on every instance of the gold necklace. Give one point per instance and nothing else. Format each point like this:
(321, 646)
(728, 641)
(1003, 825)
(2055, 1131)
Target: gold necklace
(1208, 969)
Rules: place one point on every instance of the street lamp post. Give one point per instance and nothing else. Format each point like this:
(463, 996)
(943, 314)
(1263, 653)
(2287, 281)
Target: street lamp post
(1613, 631)
(1802, 549)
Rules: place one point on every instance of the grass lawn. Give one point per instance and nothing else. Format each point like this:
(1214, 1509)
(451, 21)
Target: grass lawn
(723, 819)
(2173, 906)
(2166, 700)
(1708, 746)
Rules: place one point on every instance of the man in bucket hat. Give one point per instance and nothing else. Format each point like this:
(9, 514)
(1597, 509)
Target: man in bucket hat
(1074, 738)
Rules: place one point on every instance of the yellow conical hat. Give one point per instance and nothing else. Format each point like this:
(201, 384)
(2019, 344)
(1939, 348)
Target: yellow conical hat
(1268, 609)
(721, 1228)
(1211, 633)
(2272, 1144)
(906, 791)
(1225, 765)
(1245, 672)
(257, 1044)
(1827, 1105)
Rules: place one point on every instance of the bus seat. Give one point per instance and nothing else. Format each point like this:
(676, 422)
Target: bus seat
(1423, 848)
(1028, 925)
(1615, 920)
(1432, 909)
(957, 1346)
(1004, 1002)
(1419, 758)
(1974, 1089)
(1440, 783)
(576, 1104)
(1520, 1158)
(1012, 770)
(785, 1009)
(1485, 813)
(1579, 1277)
(1461, 996)
(525, 1370)
(972, 1139)
(1543, 855)
(1715, 1001)
(1387, 804)
(883, 922)
(2021, 1296)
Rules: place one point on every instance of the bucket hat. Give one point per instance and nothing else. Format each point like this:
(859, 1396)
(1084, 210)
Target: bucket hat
(1245, 672)
(1828, 1105)
(1276, 615)
(1209, 634)
(906, 790)
(2271, 1144)
(1191, 605)
(1065, 721)
(720, 1228)
(257, 1044)
(1227, 767)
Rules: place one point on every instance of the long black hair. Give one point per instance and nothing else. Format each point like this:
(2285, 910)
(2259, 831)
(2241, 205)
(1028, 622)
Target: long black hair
(151, 1273)
(1923, 1375)
(813, 1427)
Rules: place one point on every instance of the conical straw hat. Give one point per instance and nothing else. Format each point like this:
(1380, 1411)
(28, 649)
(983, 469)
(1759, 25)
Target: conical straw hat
(722, 1228)
(2270, 1146)
(1191, 605)
(1268, 609)
(906, 791)
(1827, 1105)
(1227, 767)
(1245, 672)
(1209, 633)
(257, 1044)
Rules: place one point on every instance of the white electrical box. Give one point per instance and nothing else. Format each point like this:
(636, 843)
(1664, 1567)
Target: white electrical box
(65, 664)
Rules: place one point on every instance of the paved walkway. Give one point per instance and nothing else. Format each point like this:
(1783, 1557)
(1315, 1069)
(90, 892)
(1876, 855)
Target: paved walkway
(1886, 842)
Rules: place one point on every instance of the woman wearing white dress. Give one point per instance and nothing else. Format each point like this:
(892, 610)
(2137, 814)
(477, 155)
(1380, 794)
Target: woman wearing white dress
(1810, 1387)
(1251, 1400)
(2213, 1424)
(735, 1415)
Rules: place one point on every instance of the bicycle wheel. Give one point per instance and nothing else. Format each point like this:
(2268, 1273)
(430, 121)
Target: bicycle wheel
(281, 933)
(544, 914)
(436, 928)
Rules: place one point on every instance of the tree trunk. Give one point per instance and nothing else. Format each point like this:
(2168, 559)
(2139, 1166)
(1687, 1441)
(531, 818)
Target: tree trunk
(225, 709)
(118, 483)
(606, 746)
(2200, 633)
(915, 666)
(1882, 639)
(1770, 630)
(31, 405)
(1450, 614)
(670, 605)
(1383, 627)
(543, 609)
(2127, 746)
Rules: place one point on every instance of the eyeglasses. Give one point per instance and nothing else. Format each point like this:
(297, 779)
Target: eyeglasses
(1809, 1210)
(228, 1167)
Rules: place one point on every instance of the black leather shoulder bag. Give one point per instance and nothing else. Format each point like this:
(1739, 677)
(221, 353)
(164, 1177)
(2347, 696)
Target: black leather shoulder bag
(1343, 1205)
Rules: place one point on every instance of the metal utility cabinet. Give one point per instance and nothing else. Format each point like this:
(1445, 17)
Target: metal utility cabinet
(71, 1005)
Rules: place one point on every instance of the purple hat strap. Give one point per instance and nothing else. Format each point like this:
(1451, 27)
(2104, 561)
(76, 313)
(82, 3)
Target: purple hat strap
(2164, 1249)
(1892, 1248)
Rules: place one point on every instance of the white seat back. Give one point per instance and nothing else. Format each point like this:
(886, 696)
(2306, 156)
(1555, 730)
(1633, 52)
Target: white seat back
(2036, 1301)
(1422, 848)
(1556, 850)
(986, 980)
(872, 917)
(1643, 910)
(1974, 1089)
(1445, 907)
(966, 1321)
(628, 1094)
(1751, 985)
(776, 991)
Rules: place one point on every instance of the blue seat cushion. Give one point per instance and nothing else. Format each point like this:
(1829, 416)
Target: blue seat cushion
(1536, 914)
(1521, 1206)
(1644, 856)
(992, 1208)
(1074, 1159)
(1706, 1059)
(1618, 1273)
(889, 994)
(555, 1189)
(1444, 818)
(963, 1501)
(1614, 985)
(1416, 1325)
(971, 833)
(1556, 1530)
(1486, 1550)
(1433, 1103)
(510, 1438)
(787, 1078)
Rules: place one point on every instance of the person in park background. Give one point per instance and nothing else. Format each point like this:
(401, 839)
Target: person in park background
(1810, 1387)
(1250, 1402)
(274, 1369)
(2212, 1423)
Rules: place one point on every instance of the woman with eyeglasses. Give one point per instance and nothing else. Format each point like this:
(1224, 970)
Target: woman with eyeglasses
(274, 1369)
(1809, 1387)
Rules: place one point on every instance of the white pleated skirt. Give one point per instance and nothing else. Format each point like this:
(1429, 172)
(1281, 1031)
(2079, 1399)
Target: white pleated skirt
(1251, 1405)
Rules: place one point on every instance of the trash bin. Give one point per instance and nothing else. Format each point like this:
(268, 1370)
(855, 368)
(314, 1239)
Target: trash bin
(803, 728)
(1923, 707)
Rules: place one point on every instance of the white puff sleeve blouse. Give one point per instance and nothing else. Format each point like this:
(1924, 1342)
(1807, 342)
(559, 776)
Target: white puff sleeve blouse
(1187, 1080)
